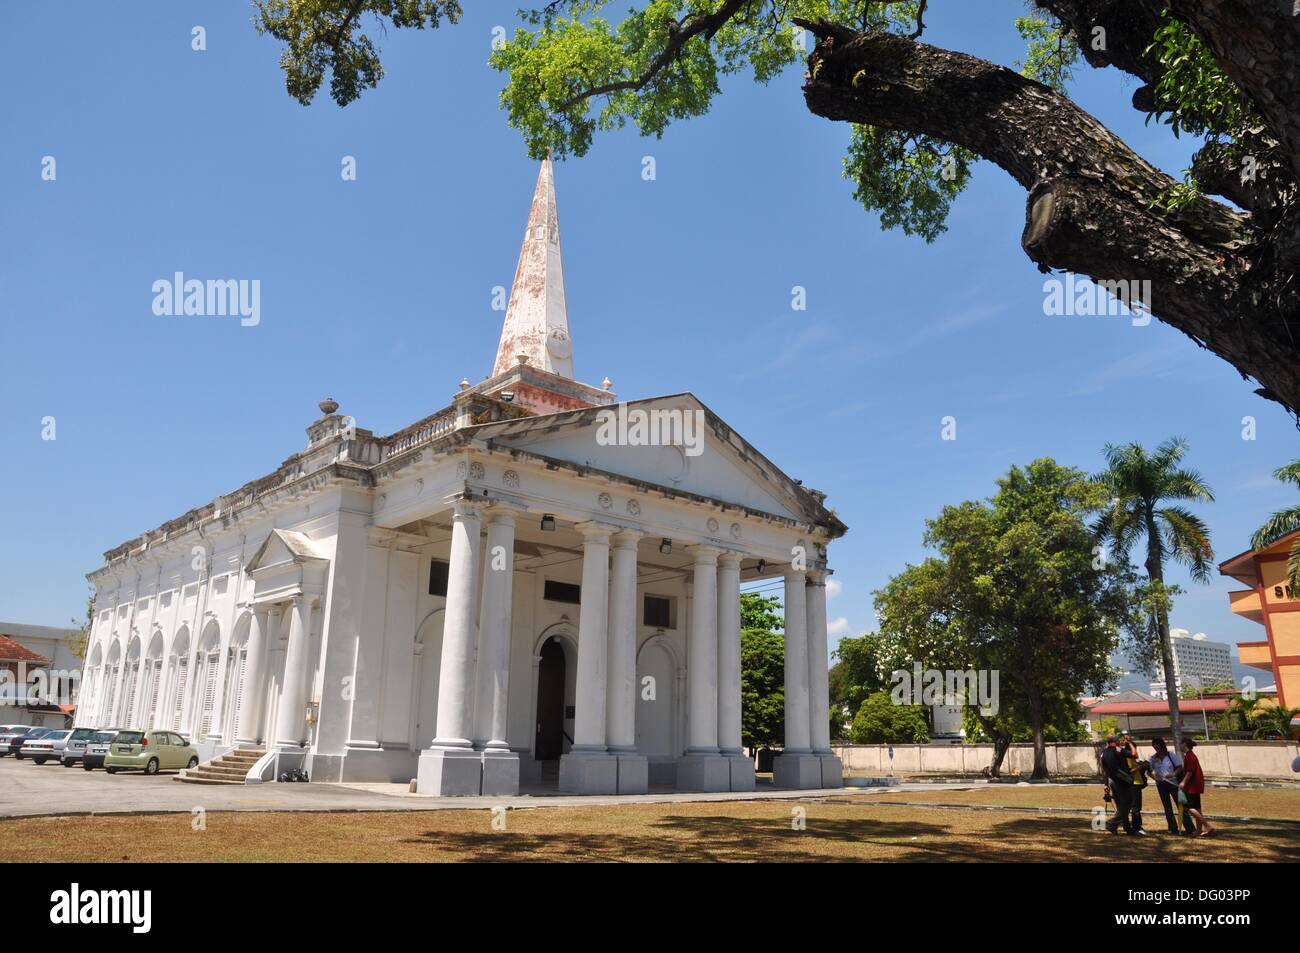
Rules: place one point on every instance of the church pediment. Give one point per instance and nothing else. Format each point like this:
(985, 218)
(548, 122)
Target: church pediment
(674, 442)
(283, 547)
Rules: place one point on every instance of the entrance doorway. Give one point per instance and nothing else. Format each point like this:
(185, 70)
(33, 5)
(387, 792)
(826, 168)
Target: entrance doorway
(549, 744)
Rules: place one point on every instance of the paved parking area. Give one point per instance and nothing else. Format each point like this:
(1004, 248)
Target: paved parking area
(28, 789)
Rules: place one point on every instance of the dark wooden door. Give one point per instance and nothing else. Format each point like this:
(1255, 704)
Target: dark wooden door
(550, 702)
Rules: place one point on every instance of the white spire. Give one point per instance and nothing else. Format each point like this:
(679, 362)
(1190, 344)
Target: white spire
(537, 322)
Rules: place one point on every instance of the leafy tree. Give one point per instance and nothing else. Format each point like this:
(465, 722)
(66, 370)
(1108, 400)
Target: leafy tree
(1015, 589)
(327, 36)
(1106, 726)
(80, 642)
(761, 612)
(920, 115)
(858, 671)
(1145, 488)
(762, 688)
(1283, 522)
(1240, 713)
(880, 721)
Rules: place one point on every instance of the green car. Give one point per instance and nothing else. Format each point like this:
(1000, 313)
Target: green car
(149, 751)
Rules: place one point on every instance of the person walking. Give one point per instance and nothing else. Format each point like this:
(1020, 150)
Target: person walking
(1165, 767)
(1119, 785)
(1138, 769)
(1192, 787)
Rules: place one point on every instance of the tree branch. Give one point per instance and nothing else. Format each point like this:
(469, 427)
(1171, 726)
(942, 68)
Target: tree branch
(1091, 204)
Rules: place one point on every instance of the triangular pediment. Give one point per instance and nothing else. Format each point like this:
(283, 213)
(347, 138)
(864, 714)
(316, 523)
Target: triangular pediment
(674, 442)
(283, 546)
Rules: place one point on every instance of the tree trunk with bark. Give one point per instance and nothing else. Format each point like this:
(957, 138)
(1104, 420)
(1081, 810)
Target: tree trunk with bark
(1222, 276)
(1156, 572)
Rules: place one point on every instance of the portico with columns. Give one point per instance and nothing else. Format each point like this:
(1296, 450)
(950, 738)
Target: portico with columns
(537, 586)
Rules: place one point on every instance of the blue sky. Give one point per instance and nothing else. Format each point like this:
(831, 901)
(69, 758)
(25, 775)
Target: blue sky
(378, 291)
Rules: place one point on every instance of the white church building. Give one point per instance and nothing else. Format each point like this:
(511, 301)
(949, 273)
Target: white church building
(536, 582)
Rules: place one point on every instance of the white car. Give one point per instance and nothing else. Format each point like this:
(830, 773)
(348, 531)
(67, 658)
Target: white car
(48, 747)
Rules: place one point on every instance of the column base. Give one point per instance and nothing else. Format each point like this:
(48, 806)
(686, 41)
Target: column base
(832, 770)
(799, 772)
(588, 773)
(450, 772)
(741, 771)
(703, 772)
(500, 771)
(633, 772)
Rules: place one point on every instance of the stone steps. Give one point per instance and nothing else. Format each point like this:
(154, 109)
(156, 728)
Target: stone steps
(231, 768)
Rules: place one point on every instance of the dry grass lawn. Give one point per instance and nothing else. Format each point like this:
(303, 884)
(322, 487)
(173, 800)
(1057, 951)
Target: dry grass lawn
(736, 831)
(1283, 803)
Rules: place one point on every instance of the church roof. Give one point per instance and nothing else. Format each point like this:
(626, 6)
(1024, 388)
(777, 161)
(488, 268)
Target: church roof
(537, 321)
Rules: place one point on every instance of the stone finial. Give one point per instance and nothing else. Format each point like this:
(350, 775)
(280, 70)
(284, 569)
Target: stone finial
(606, 384)
(521, 358)
(328, 406)
(464, 383)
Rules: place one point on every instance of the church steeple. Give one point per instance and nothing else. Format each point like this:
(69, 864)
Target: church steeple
(537, 322)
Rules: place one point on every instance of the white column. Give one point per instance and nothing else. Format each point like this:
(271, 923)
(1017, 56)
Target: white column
(494, 633)
(729, 653)
(459, 633)
(593, 622)
(702, 656)
(819, 728)
(620, 697)
(588, 767)
(797, 737)
(291, 721)
(250, 713)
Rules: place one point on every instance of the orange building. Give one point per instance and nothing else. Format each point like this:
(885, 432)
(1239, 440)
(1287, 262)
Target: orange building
(1270, 602)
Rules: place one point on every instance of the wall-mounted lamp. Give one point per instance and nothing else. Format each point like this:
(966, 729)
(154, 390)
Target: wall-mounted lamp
(548, 523)
(762, 566)
(666, 547)
(507, 395)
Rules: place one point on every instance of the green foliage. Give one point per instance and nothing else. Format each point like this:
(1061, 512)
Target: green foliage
(80, 642)
(1194, 93)
(1282, 523)
(1145, 489)
(760, 612)
(911, 180)
(1274, 721)
(762, 688)
(326, 36)
(1062, 722)
(1052, 52)
(880, 721)
(1015, 588)
(859, 670)
(1106, 727)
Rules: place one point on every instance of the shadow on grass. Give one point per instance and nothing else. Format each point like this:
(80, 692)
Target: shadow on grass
(693, 838)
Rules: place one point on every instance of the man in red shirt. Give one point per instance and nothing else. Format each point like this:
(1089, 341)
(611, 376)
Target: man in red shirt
(1193, 786)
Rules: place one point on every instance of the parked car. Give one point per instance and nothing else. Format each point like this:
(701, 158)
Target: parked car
(150, 752)
(75, 747)
(97, 748)
(8, 733)
(48, 747)
(17, 742)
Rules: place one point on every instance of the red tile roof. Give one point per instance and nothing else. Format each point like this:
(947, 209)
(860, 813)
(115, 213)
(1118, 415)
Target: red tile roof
(1185, 705)
(11, 651)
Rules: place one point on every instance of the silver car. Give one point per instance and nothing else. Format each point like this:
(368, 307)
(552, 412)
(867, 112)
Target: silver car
(48, 747)
(75, 748)
(8, 733)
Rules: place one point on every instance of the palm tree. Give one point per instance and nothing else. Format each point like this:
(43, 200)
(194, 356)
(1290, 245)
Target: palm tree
(1283, 522)
(1274, 721)
(1142, 486)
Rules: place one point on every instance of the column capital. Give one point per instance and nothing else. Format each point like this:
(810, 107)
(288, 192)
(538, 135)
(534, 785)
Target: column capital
(465, 509)
(729, 557)
(593, 531)
(626, 538)
(817, 577)
(704, 554)
(503, 514)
